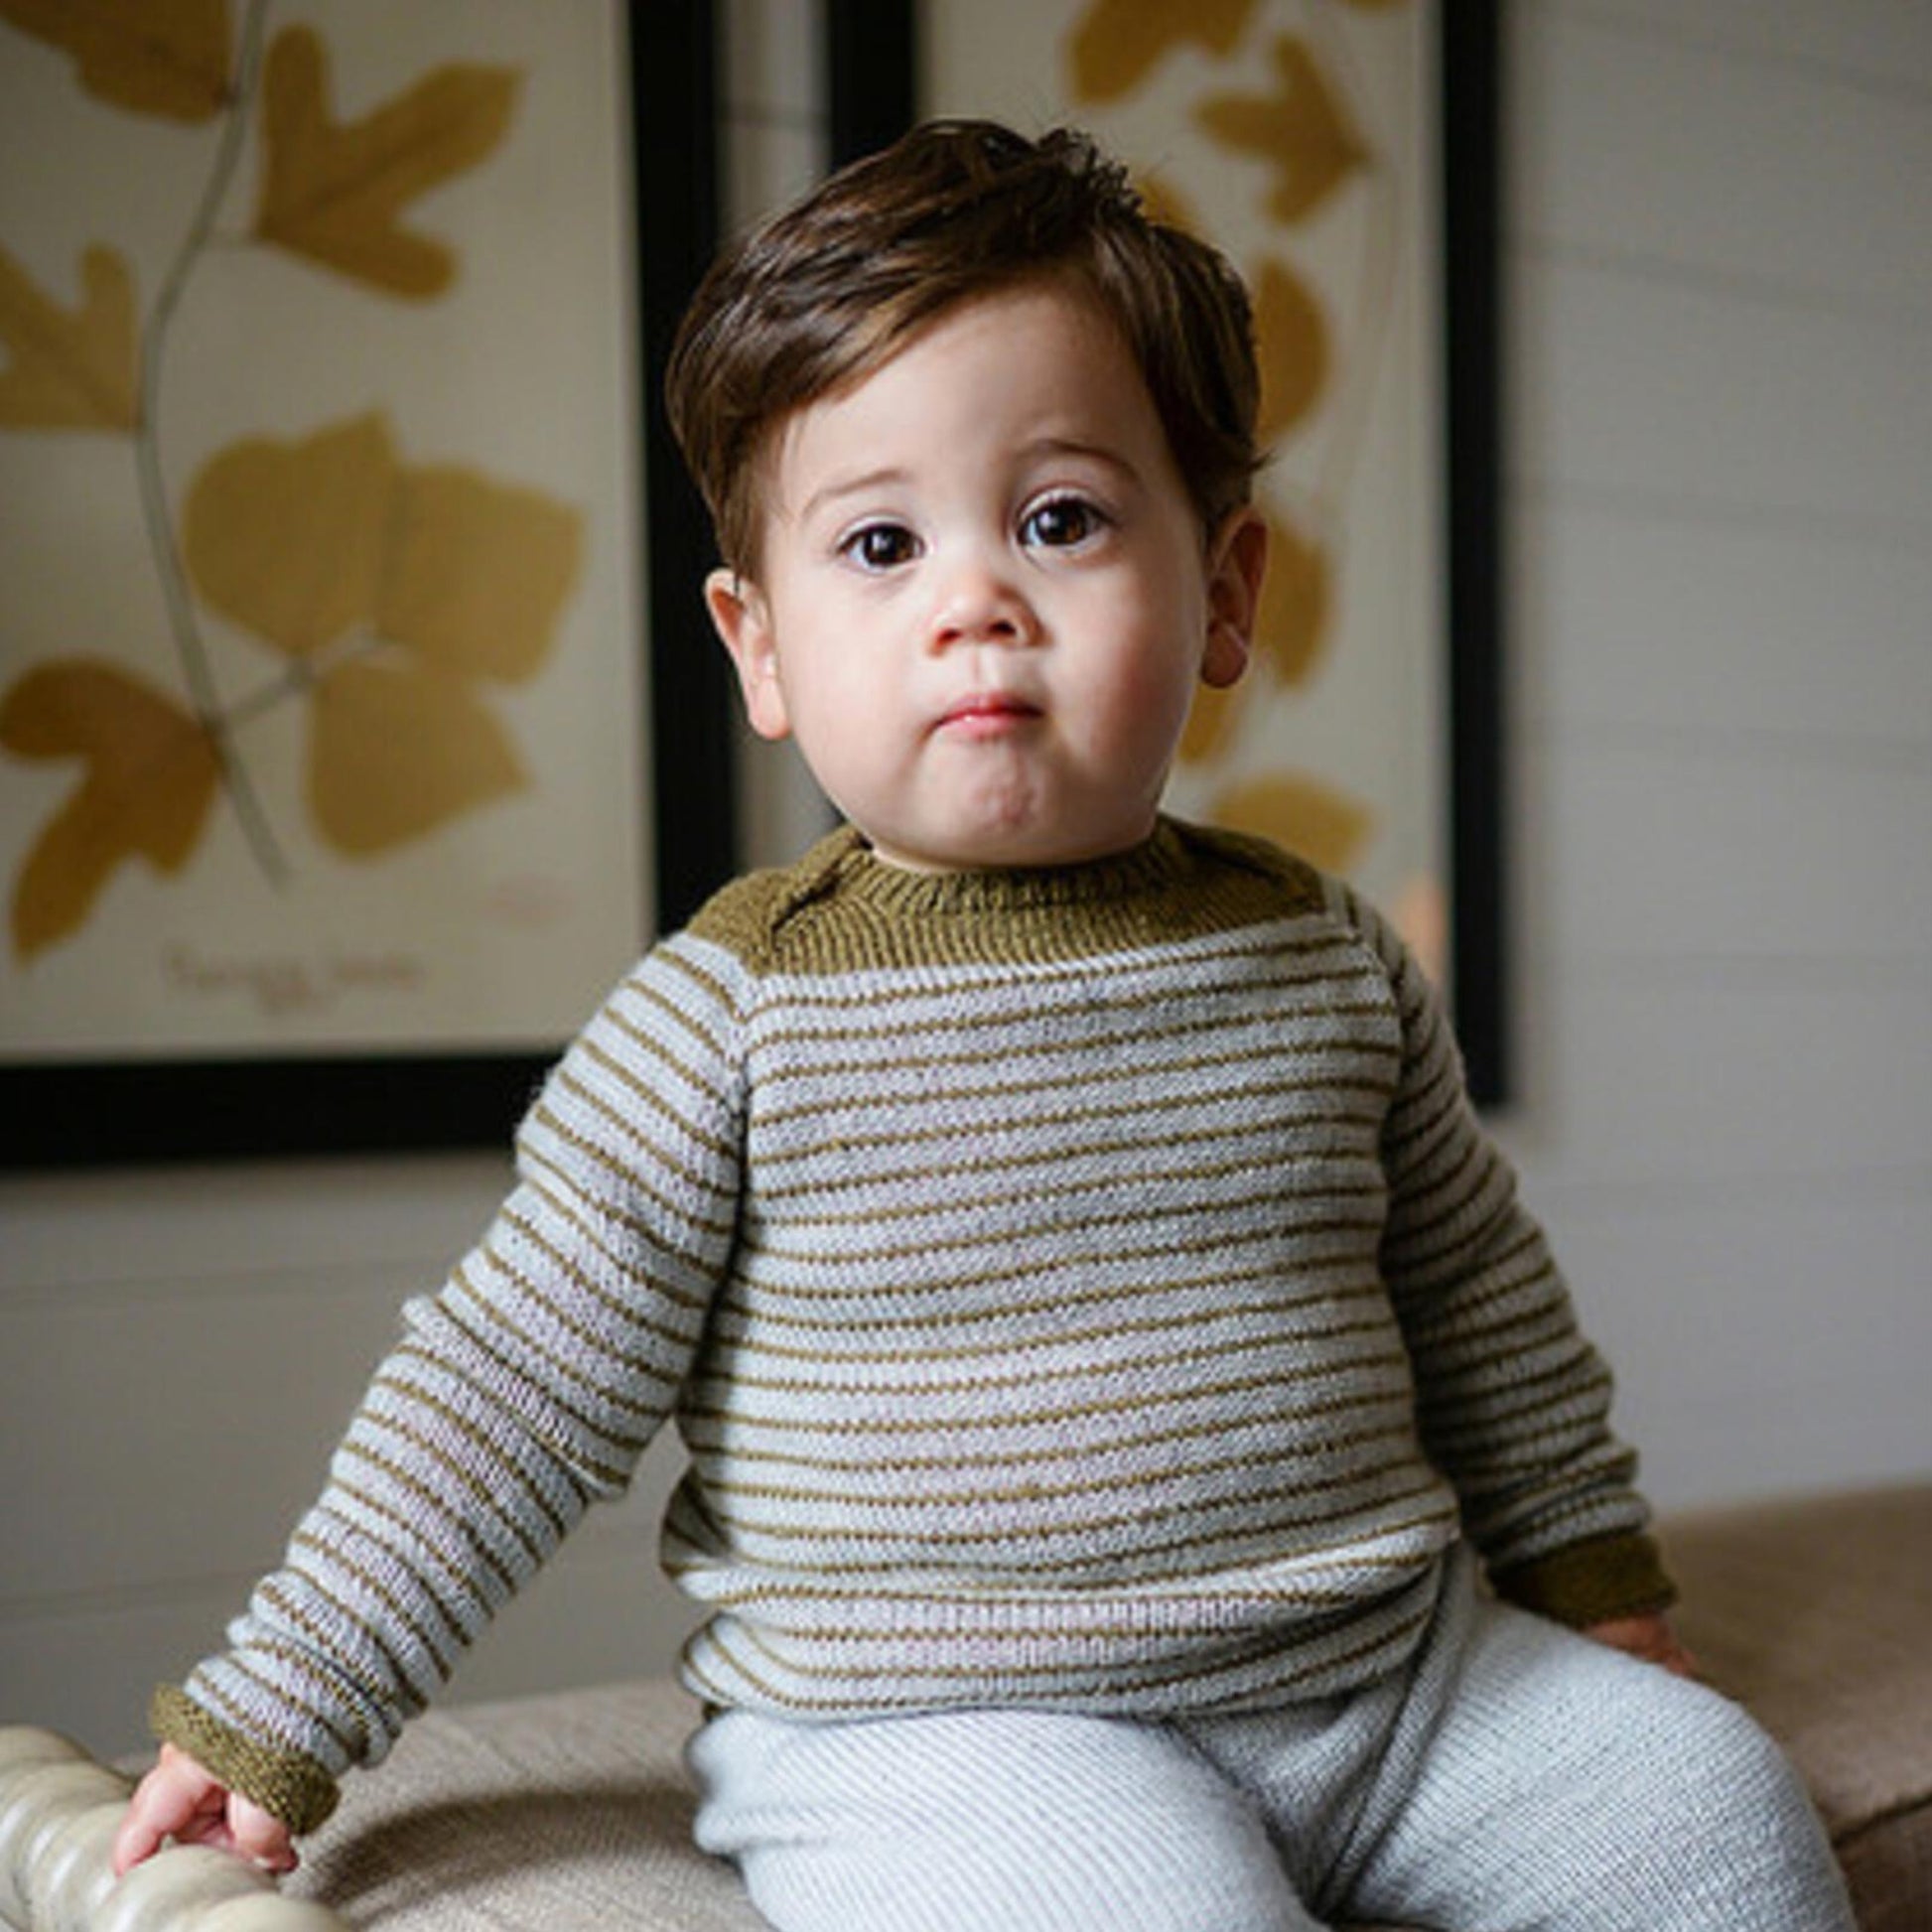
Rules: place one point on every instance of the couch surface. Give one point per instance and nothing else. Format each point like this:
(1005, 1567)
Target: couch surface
(1818, 1615)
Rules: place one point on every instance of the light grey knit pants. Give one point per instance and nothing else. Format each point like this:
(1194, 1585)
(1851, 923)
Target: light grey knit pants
(1514, 1777)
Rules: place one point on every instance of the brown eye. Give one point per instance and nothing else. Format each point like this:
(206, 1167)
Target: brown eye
(881, 546)
(1060, 523)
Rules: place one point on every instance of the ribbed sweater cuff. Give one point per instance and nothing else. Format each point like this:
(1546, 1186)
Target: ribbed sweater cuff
(1592, 1582)
(289, 1785)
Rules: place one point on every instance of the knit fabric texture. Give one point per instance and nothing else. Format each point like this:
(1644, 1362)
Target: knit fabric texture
(1081, 1290)
(1510, 1774)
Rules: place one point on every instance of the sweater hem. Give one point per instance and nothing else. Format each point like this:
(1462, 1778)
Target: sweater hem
(1593, 1582)
(288, 1784)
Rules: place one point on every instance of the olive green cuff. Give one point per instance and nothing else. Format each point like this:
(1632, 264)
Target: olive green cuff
(1592, 1582)
(289, 1785)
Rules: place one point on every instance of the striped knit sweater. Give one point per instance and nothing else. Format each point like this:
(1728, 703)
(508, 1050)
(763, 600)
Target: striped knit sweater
(1079, 1288)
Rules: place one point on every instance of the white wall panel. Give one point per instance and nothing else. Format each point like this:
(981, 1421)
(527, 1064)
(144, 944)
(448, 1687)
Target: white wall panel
(1738, 1309)
(1678, 154)
(1712, 1442)
(1682, 1078)
(1721, 608)
(193, 1226)
(1651, 621)
(1663, 393)
(1884, 45)
(228, 1404)
(1728, 854)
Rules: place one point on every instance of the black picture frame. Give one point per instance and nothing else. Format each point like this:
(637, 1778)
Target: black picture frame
(874, 70)
(1470, 58)
(60, 1113)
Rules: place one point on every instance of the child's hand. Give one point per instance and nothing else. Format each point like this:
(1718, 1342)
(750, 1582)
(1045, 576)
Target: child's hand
(1648, 1637)
(179, 1799)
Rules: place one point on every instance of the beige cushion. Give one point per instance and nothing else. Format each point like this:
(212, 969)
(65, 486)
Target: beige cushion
(568, 1813)
(571, 1813)
(1818, 1615)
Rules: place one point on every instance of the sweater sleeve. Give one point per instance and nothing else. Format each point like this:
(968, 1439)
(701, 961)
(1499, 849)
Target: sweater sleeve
(1513, 1401)
(521, 1393)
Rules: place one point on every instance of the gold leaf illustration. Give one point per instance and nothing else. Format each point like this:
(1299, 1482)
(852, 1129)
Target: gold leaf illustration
(401, 588)
(1162, 201)
(1297, 595)
(150, 775)
(1119, 42)
(1290, 629)
(70, 368)
(334, 191)
(398, 749)
(1325, 826)
(305, 542)
(1292, 342)
(286, 538)
(1304, 129)
(1211, 721)
(477, 572)
(1291, 338)
(168, 58)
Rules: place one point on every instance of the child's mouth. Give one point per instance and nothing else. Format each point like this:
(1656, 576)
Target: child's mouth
(987, 714)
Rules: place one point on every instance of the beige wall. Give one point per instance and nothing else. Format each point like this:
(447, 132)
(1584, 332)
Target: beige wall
(1719, 503)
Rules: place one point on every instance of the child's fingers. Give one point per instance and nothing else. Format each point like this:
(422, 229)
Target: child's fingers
(180, 1800)
(260, 1837)
(168, 1803)
(1649, 1638)
(136, 1840)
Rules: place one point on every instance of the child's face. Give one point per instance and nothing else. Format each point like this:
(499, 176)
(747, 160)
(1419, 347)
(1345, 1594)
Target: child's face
(984, 597)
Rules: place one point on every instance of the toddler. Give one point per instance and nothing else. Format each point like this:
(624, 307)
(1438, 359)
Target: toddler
(1106, 1347)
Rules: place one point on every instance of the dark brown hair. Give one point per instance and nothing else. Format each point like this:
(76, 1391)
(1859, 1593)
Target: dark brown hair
(824, 292)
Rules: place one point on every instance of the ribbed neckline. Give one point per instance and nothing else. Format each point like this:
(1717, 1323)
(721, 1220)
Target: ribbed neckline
(842, 908)
(863, 878)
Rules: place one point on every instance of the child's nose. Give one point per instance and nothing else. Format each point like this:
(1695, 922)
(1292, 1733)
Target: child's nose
(980, 604)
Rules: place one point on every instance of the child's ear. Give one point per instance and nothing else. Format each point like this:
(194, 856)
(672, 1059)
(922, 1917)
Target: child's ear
(743, 621)
(1237, 561)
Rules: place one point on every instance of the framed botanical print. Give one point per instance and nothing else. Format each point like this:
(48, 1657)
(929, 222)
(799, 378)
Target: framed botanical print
(328, 804)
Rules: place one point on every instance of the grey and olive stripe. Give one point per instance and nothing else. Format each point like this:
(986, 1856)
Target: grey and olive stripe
(1041, 1269)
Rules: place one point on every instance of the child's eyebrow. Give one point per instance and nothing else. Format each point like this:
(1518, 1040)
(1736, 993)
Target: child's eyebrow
(887, 475)
(1073, 446)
